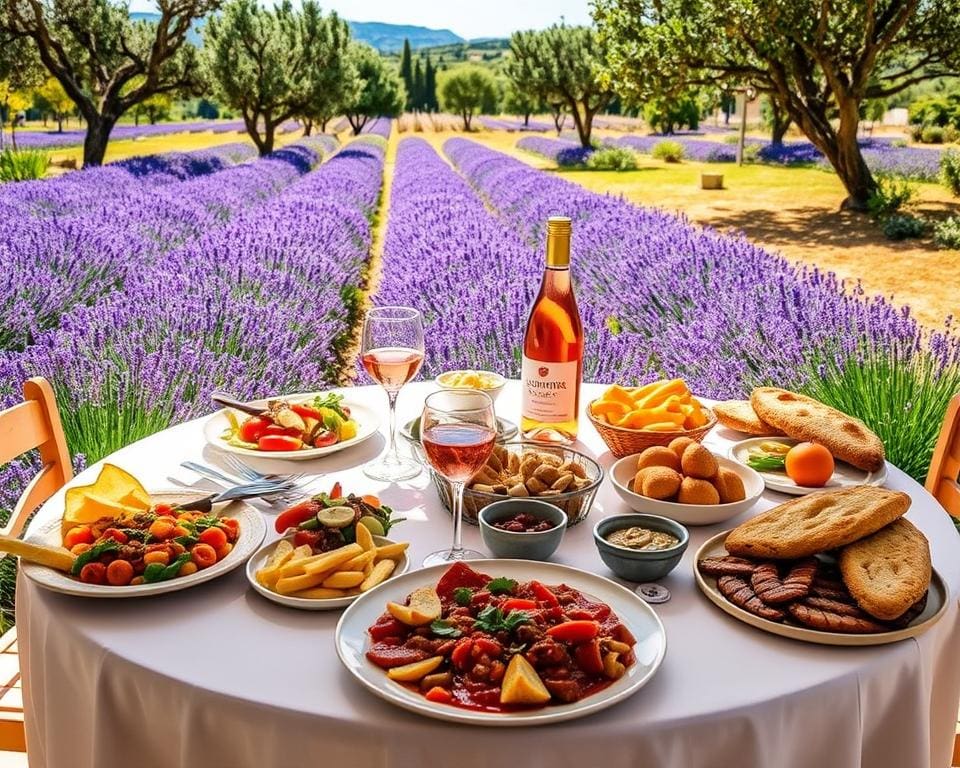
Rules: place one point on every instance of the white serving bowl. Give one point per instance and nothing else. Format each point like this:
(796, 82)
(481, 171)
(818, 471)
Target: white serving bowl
(493, 391)
(622, 474)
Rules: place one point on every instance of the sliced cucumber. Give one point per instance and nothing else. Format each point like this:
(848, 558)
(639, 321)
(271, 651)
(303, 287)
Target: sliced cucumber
(371, 524)
(336, 517)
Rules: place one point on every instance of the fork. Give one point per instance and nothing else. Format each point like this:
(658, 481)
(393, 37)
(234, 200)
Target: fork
(285, 490)
(248, 473)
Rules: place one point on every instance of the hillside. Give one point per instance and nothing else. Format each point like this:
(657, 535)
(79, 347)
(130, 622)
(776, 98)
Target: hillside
(389, 38)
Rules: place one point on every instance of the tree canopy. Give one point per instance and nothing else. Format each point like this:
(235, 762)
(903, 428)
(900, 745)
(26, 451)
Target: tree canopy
(468, 91)
(561, 65)
(95, 50)
(55, 100)
(817, 61)
(381, 94)
(274, 64)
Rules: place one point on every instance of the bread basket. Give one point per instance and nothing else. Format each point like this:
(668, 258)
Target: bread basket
(623, 441)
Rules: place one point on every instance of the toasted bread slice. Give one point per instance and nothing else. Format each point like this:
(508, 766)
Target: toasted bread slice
(818, 522)
(804, 418)
(739, 415)
(888, 571)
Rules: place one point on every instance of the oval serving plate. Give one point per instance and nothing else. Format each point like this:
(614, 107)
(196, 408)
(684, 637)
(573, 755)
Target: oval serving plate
(259, 560)
(252, 530)
(937, 601)
(844, 475)
(352, 642)
(368, 422)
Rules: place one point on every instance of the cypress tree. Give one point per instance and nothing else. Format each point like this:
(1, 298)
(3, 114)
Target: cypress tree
(430, 86)
(418, 86)
(406, 71)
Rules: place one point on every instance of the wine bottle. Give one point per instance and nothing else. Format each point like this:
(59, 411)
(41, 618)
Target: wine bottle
(552, 366)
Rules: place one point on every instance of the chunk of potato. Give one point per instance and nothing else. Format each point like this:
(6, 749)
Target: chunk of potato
(423, 608)
(522, 685)
(411, 673)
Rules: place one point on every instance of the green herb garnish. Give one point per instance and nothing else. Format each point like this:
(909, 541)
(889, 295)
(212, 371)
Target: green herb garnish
(767, 463)
(462, 596)
(501, 585)
(443, 628)
(108, 545)
(492, 620)
(331, 401)
(160, 572)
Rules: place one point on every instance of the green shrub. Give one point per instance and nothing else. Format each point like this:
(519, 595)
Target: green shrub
(916, 132)
(950, 170)
(732, 138)
(893, 192)
(946, 234)
(899, 143)
(950, 134)
(668, 151)
(612, 159)
(902, 227)
(932, 134)
(23, 164)
(751, 152)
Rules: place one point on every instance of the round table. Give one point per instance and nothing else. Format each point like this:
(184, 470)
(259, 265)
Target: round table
(218, 676)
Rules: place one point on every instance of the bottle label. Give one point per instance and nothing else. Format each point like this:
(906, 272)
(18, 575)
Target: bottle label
(549, 390)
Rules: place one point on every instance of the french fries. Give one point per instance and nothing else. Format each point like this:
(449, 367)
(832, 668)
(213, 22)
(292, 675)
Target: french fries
(343, 572)
(663, 406)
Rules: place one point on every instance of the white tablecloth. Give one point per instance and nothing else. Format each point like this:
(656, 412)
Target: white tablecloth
(218, 676)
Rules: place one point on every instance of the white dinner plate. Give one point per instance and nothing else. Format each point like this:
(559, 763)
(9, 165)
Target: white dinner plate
(937, 601)
(624, 470)
(259, 560)
(368, 422)
(252, 530)
(844, 475)
(353, 641)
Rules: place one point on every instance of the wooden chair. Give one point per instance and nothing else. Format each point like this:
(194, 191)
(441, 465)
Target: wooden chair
(32, 424)
(942, 483)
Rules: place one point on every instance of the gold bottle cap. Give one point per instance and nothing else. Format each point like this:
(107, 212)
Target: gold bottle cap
(558, 241)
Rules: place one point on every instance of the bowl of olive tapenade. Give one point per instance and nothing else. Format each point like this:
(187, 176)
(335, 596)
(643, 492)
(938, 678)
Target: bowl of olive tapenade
(640, 547)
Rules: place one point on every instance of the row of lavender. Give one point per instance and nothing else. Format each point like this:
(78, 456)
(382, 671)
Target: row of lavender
(260, 304)
(722, 313)
(34, 139)
(68, 242)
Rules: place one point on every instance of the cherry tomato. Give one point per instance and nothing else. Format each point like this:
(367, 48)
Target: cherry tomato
(253, 428)
(187, 568)
(93, 573)
(460, 656)
(309, 538)
(119, 573)
(223, 551)
(215, 537)
(79, 549)
(162, 528)
(157, 556)
(324, 438)
(81, 534)
(574, 631)
(179, 530)
(231, 527)
(164, 510)
(306, 412)
(279, 443)
(276, 429)
(439, 695)
(203, 555)
(116, 535)
(292, 517)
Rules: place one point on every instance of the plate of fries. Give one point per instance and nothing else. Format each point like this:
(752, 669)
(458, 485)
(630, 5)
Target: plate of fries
(296, 577)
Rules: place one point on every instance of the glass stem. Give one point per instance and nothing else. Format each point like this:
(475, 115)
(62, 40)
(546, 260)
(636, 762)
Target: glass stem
(457, 489)
(392, 456)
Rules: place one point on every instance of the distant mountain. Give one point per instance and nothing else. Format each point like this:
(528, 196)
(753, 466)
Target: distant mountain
(389, 38)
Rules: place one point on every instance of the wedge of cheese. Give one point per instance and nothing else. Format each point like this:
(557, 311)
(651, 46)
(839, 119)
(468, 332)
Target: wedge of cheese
(115, 493)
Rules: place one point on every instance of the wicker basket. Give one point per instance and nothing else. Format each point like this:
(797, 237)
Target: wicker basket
(575, 504)
(623, 441)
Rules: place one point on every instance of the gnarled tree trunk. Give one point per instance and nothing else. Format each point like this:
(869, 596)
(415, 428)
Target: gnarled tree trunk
(96, 139)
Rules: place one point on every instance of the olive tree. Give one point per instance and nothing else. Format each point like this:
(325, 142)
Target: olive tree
(94, 50)
(381, 92)
(54, 101)
(561, 65)
(817, 61)
(273, 64)
(467, 91)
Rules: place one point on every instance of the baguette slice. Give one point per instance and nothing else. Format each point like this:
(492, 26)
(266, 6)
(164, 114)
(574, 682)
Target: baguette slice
(818, 522)
(888, 571)
(804, 418)
(739, 415)
(53, 557)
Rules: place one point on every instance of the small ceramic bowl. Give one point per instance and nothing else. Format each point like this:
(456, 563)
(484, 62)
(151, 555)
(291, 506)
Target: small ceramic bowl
(496, 380)
(637, 564)
(622, 474)
(522, 546)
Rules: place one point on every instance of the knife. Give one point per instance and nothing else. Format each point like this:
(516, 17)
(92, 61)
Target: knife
(239, 493)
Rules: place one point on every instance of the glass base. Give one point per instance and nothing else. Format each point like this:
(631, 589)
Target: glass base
(447, 556)
(392, 471)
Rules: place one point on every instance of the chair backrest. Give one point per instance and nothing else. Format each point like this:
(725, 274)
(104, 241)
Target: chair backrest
(35, 423)
(945, 466)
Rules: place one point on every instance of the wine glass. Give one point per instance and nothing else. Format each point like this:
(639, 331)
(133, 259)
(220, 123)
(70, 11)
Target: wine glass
(392, 353)
(458, 429)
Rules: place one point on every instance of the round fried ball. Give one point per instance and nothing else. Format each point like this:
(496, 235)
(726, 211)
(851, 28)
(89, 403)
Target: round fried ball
(729, 486)
(658, 456)
(698, 462)
(679, 444)
(693, 490)
(660, 483)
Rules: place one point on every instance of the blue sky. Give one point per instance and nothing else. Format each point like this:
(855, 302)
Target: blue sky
(468, 18)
